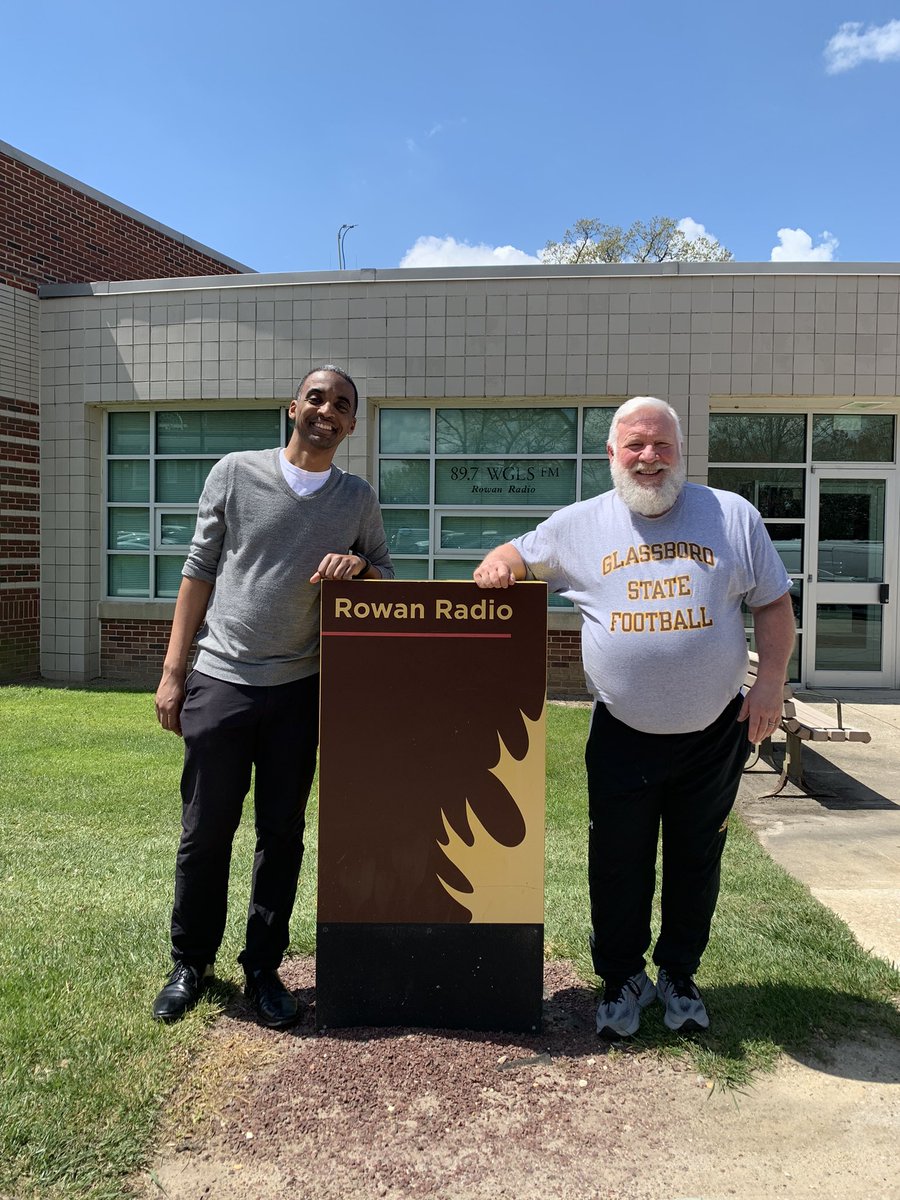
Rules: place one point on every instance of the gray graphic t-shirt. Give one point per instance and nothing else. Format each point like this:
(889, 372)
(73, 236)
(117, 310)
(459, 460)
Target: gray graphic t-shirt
(663, 637)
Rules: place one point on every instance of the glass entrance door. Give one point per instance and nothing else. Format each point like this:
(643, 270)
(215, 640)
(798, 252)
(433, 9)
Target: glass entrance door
(852, 568)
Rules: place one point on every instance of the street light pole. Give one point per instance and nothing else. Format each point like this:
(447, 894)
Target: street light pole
(342, 233)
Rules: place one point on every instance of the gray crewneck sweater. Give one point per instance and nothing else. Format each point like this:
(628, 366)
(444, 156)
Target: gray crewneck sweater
(259, 542)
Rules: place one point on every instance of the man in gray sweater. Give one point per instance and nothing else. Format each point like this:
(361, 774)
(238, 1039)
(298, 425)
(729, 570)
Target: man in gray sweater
(271, 525)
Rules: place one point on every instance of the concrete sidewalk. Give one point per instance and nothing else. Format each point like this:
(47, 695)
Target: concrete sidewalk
(841, 838)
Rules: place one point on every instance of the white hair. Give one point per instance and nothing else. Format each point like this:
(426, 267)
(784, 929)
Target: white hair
(637, 404)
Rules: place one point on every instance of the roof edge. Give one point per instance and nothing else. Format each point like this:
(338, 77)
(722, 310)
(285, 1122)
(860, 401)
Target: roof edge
(424, 275)
(117, 206)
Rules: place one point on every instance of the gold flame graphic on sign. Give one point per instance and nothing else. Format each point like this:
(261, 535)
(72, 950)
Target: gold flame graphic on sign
(507, 881)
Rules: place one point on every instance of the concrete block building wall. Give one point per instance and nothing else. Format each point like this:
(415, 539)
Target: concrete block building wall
(54, 229)
(733, 336)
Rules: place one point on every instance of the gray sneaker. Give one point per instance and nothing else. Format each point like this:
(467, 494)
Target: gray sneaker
(619, 1011)
(685, 1010)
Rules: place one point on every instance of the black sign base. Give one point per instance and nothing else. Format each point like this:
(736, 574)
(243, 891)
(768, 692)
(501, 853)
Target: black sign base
(449, 976)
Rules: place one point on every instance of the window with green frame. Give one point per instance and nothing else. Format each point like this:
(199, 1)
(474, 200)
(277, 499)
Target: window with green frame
(156, 465)
(763, 457)
(455, 481)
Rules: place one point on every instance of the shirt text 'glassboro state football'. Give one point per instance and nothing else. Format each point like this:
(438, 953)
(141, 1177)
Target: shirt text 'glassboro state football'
(663, 638)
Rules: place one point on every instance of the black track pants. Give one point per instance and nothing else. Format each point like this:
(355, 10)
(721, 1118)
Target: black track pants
(637, 782)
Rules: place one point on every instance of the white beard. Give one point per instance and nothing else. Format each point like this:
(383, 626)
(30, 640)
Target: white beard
(652, 500)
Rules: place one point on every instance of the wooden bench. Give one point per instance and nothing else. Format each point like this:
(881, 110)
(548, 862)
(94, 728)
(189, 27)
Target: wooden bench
(801, 723)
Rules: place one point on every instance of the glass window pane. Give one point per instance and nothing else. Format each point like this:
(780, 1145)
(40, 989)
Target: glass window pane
(797, 601)
(853, 437)
(168, 574)
(776, 493)
(404, 431)
(176, 529)
(455, 568)
(129, 574)
(217, 431)
(129, 433)
(407, 530)
(796, 594)
(549, 483)
(403, 481)
(788, 541)
(482, 533)
(596, 429)
(793, 667)
(129, 529)
(595, 477)
(506, 431)
(851, 530)
(181, 482)
(848, 637)
(129, 479)
(411, 568)
(757, 437)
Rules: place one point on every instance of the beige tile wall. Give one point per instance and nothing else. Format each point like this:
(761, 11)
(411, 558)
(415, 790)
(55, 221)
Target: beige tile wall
(736, 334)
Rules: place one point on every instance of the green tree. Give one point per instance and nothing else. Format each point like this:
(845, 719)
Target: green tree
(656, 240)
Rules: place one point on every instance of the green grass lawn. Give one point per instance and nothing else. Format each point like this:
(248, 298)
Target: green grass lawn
(90, 820)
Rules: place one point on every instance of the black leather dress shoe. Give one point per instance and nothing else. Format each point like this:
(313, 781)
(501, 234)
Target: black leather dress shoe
(273, 1004)
(181, 993)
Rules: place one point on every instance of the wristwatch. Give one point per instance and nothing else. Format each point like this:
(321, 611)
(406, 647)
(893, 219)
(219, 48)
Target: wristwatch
(365, 566)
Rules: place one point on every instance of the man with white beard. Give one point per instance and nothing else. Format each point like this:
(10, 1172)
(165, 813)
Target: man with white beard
(658, 569)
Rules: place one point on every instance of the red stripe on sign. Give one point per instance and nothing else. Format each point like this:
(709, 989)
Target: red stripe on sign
(363, 633)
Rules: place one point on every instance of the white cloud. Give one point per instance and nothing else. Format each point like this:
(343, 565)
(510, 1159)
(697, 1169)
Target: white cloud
(693, 229)
(852, 45)
(433, 251)
(795, 245)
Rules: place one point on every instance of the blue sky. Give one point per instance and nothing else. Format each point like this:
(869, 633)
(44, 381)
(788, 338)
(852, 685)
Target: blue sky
(487, 127)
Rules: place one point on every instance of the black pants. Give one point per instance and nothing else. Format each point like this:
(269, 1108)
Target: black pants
(229, 729)
(636, 782)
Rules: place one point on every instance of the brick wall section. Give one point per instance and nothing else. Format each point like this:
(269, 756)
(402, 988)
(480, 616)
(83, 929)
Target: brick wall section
(20, 619)
(19, 540)
(133, 651)
(51, 233)
(565, 674)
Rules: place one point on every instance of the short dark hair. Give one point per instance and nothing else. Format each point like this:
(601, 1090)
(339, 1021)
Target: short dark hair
(335, 371)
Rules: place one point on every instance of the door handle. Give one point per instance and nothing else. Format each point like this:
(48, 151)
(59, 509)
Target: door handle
(884, 593)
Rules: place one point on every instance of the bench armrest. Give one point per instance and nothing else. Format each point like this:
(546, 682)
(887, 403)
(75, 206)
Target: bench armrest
(823, 699)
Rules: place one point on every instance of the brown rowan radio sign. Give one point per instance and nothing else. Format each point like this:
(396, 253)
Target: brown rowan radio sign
(431, 805)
